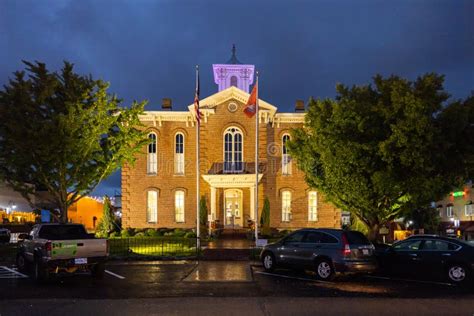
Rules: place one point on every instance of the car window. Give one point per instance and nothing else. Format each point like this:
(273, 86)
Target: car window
(328, 239)
(62, 232)
(295, 237)
(313, 237)
(408, 245)
(356, 238)
(439, 245)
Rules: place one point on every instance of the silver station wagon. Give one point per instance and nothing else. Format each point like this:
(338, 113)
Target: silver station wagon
(326, 251)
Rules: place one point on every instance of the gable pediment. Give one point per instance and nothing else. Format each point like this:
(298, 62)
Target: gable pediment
(231, 94)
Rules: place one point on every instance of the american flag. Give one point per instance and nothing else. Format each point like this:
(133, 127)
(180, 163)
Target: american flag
(196, 99)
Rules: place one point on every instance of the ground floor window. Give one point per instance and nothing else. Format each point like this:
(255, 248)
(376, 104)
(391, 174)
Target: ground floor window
(468, 210)
(179, 206)
(286, 206)
(313, 206)
(152, 207)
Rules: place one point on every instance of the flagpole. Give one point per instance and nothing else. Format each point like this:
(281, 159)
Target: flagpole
(198, 125)
(256, 162)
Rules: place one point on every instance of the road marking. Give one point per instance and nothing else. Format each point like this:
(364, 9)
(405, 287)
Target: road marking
(408, 280)
(115, 275)
(11, 274)
(291, 277)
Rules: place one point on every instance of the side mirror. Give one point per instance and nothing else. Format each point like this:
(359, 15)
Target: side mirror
(23, 236)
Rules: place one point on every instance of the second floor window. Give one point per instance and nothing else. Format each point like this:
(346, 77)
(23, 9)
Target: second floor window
(468, 210)
(152, 160)
(285, 156)
(179, 206)
(233, 81)
(179, 154)
(233, 150)
(286, 206)
(449, 211)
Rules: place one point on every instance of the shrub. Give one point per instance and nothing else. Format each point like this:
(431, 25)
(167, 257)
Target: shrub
(178, 232)
(140, 234)
(190, 235)
(115, 235)
(150, 232)
(128, 232)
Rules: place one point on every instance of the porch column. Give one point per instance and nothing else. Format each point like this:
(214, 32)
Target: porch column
(252, 202)
(213, 203)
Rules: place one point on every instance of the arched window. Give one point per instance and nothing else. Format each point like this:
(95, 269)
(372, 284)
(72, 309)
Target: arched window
(233, 150)
(312, 206)
(152, 206)
(285, 156)
(234, 81)
(179, 206)
(286, 206)
(152, 161)
(179, 154)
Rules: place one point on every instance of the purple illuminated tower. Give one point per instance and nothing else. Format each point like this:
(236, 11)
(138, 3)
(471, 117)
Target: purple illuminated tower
(233, 73)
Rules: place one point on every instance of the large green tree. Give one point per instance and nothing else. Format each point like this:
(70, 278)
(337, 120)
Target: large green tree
(63, 132)
(379, 150)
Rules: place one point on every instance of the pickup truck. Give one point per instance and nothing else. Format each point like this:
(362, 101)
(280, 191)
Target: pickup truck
(58, 248)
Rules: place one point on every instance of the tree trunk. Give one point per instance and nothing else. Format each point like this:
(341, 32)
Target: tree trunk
(63, 214)
(373, 232)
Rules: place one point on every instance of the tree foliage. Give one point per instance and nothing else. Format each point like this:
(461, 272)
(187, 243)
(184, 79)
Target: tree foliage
(203, 211)
(63, 132)
(265, 217)
(380, 150)
(107, 223)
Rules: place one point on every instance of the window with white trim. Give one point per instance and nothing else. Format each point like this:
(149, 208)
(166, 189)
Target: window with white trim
(449, 211)
(152, 206)
(152, 161)
(179, 153)
(312, 206)
(286, 206)
(468, 210)
(285, 156)
(179, 206)
(233, 150)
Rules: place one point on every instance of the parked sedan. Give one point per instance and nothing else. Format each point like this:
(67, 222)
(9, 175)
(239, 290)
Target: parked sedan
(326, 251)
(430, 256)
(4, 235)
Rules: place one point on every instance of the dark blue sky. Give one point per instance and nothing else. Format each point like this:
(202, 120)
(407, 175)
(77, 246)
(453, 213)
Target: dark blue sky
(148, 49)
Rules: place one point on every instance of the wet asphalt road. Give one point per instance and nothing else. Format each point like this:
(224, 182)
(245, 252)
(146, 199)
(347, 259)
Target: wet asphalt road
(187, 281)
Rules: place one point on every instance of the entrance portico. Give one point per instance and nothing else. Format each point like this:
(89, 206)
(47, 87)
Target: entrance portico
(233, 211)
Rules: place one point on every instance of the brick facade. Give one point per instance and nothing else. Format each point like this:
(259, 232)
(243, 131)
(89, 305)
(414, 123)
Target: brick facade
(218, 116)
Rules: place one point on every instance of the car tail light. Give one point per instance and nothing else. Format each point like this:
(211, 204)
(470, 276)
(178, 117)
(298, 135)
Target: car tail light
(48, 247)
(346, 249)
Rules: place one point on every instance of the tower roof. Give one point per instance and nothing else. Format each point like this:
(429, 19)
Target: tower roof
(233, 59)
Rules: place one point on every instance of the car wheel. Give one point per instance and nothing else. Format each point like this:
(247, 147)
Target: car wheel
(324, 270)
(457, 274)
(98, 271)
(21, 263)
(268, 261)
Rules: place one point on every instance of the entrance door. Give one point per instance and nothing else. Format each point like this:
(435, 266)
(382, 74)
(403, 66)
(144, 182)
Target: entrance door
(233, 213)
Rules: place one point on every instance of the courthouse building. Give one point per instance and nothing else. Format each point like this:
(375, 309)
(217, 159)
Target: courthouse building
(159, 190)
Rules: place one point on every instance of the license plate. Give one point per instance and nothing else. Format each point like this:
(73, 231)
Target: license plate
(80, 261)
(365, 251)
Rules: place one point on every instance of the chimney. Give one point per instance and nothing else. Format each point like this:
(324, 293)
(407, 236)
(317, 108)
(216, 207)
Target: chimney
(299, 106)
(166, 104)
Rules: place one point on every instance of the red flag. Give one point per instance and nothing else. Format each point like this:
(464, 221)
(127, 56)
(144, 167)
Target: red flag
(251, 106)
